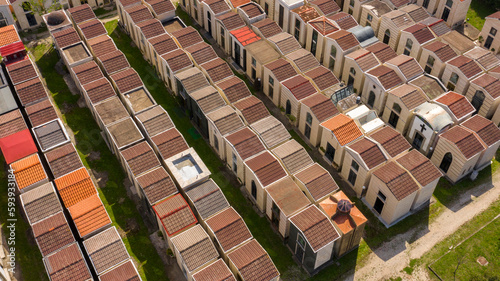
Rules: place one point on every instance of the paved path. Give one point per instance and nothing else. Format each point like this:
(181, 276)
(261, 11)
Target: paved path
(391, 257)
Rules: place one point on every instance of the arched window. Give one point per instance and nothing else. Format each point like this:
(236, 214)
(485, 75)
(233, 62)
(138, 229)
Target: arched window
(288, 109)
(254, 190)
(309, 118)
(352, 71)
(371, 99)
(26, 7)
(333, 56)
(387, 36)
(446, 162)
(408, 46)
(477, 100)
(394, 117)
(396, 108)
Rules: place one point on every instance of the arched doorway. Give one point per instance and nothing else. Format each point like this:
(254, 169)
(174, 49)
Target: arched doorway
(477, 100)
(254, 190)
(288, 109)
(387, 36)
(371, 99)
(446, 162)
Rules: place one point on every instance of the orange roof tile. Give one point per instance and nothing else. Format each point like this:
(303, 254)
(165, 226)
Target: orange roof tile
(245, 35)
(89, 215)
(28, 171)
(344, 128)
(8, 35)
(75, 187)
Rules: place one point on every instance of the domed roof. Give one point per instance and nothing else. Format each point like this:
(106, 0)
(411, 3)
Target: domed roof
(55, 18)
(344, 206)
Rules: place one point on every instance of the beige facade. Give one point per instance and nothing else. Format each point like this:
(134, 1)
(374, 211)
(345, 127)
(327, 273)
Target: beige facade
(432, 63)
(353, 7)
(334, 54)
(371, 13)
(371, 87)
(391, 25)
(362, 173)
(6, 17)
(430, 5)
(258, 54)
(283, 10)
(353, 73)
(488, 34)
(217, 130)
(314, 130)
(453, 12)
(461, 85)
(416, 46)
(483, 96)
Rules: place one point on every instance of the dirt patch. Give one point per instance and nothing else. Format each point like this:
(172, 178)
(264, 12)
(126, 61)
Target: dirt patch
(132, 226)
(81, 102)
(173, 271)
(101, 178)
(66, 108)
(94, 155)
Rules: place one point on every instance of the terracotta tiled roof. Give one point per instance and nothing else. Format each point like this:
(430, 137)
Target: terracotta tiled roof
(207, 199)
(63, 160)
(397, 179)
(281, 69)
(365, 59)
(303, 59)
(89, 215)
(8, 35)
(429, 85)
(399, 18)
(31, 91)
(267, 27)
(321, 106)
(483, 57)
(28, 171)
(124, 132)
(369, 152)
(293, 156)
(229, 229)
(201, 52)
(192, 79)
(231, 20)
(484, 128)
(417, 13)
(208, 99)
(106, 250)
(306, 12)
(177, 60)
(126, 3)
(127, 80)
(287, 196)
(161, 7)
(467, 65)
(317, 180)
(399, 3)
(253, 262)
(252, 9)
(151, 28)
(163, 43)
(21, 71)
(246, 143)
(489, 83)
(187, 36)
(139, 13)
(170, 143)
(217, 6)
(225, 120)
(87, 72)
(326, 7)
(114, 61)
(140, 158)
(102, 45)
(66, 37)
(155, 120)
(156, 185)
(195, 248)
(391, 140)
(174, 214)
(11, 123)
(217, 69)
(466, 141)
(266, 168)
(322, 77)
(285, 42)
(217, 271)
(323, 25)
(345, 39)
(252, 109)
(245, 36)
(421, 33)
(300, 87)
(382, 51)
(420, 167)
(110, 111)
(234, 89)
(271, 130)
(81, 13)
(125, 271)
(438, 26)
(495, 15)
(408, 66)
(344, 20)
(40, 203)
(387, 77)
(344, 128)
(99, 90)
(457, 104)
(75, 187)
(443, 51)
(67, 264)
(237, 3)
(52, 233)
(92, 28)
(316, 227)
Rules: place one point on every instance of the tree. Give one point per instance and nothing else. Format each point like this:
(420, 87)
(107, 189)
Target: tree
(40, 6)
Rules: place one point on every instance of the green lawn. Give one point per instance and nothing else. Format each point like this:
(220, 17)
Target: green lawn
(27, 252)
(477, 12)
(88, 139)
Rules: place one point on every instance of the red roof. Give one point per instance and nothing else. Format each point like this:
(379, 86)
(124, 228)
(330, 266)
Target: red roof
(17, 146)
(245, 35)
(11, 49)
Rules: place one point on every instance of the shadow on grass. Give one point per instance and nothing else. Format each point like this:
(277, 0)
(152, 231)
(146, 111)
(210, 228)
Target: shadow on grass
(88, 139)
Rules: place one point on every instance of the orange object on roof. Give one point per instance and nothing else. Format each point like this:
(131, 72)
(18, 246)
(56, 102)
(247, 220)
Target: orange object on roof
(28, 171)
(346, 221)
(8, 35)
(75, 187)
(89, 215)
(344, 128)
(245, 35)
